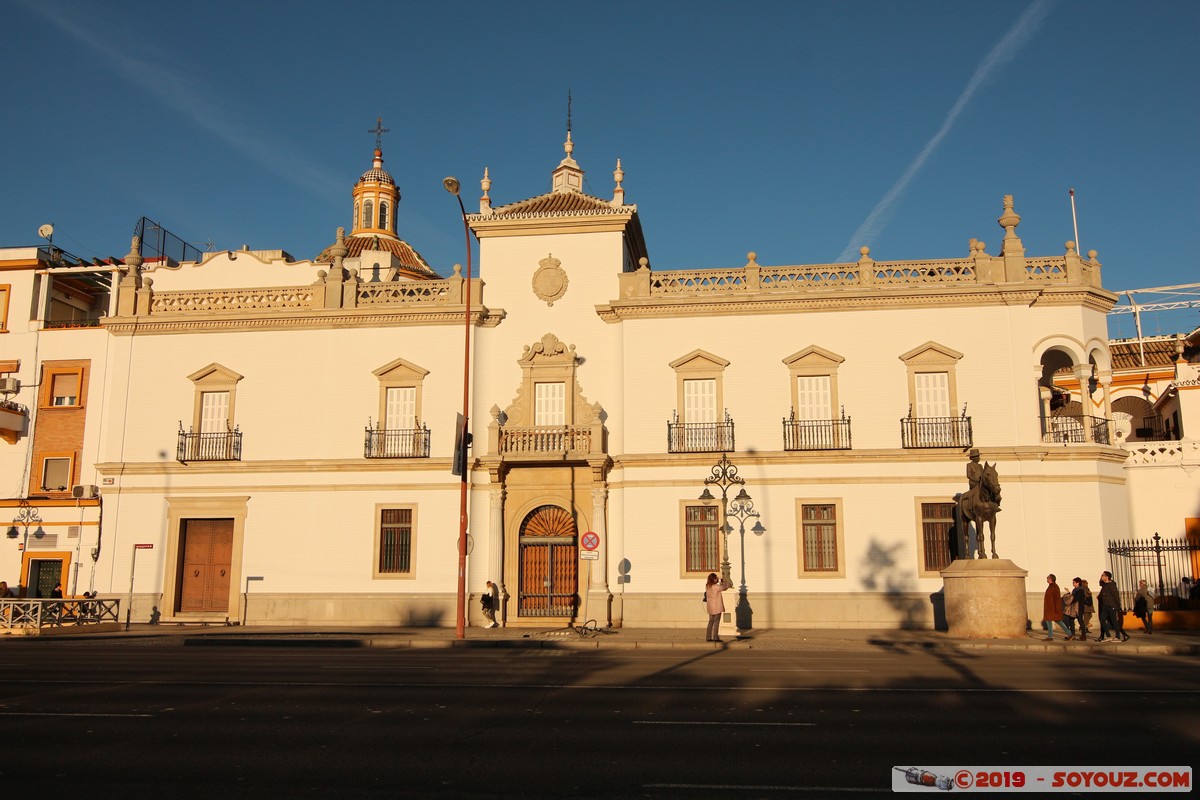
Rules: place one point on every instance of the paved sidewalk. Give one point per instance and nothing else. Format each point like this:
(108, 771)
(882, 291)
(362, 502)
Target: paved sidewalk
(1161, 643)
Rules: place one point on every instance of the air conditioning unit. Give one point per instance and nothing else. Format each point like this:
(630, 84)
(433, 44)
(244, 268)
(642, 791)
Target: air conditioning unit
(10, 385)
(85, 492)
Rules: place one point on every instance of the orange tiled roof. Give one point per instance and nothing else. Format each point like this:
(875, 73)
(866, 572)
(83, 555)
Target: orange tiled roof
(410, 260)
(1127, 355)
(556, 203)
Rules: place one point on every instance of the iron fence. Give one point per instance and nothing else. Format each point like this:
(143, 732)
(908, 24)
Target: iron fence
(401, 443)
(1162, 563)
(920, 432)
(816, 434)
(1075, 429)
(218, 446)
(700, 437)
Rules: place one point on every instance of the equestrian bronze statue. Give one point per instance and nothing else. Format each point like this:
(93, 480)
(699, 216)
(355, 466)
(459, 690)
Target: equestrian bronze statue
(981, 502)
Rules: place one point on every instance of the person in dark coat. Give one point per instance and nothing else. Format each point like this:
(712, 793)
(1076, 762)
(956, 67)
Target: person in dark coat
(1110, 610)
(1083, 600)
(1052, 609)
(1143, 606)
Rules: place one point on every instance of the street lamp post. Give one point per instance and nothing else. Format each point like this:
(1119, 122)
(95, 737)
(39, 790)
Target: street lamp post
(460, 619)
(724, 475)
(26, 517)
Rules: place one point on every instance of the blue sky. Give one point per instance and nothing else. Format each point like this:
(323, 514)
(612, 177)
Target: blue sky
(799, 130)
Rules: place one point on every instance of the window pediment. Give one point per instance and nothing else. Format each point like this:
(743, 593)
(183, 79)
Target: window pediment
(699, 361)
(400, 371)
(216, 375)
(814, 357)
(931, 355)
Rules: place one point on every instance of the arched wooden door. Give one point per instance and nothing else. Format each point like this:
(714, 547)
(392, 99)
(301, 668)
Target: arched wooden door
(549, 562)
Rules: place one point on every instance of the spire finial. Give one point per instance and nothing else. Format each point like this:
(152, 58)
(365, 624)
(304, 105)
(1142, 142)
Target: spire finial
(568, 112)
(379, 131)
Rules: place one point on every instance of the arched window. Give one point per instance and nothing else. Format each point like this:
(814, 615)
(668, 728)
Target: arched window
(383, 214)
(356, 210)
(368, 214)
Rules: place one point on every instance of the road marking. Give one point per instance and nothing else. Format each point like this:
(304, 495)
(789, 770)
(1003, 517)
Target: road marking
(608, 687)
(810, 670)
(64, 714)
(752, 788)
(718, 722)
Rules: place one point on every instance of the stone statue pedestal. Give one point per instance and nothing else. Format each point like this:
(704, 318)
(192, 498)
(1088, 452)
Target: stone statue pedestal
(985, 599)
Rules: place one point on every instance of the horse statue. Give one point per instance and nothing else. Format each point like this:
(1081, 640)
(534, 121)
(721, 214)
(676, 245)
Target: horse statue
(980, 505)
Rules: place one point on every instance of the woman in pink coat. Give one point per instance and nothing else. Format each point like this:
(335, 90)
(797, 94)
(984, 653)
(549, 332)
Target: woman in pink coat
(715, 605)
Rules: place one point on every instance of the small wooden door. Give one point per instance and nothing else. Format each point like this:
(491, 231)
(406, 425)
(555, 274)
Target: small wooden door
(549, 564)
(204, 579)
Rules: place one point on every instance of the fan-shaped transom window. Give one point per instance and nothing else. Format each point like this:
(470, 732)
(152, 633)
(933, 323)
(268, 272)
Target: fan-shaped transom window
(549, 521)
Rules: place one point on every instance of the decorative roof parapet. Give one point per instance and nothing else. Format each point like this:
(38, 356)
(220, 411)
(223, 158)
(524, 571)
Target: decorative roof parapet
(979, 269)
(301, 305)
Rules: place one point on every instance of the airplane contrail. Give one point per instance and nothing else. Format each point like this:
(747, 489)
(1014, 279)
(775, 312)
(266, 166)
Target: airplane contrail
(1004, 51)
(193, 100)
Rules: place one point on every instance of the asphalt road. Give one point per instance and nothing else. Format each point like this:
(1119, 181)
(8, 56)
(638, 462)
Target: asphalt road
(151, 718)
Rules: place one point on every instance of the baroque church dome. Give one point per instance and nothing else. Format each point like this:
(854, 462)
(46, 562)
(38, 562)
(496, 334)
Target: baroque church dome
(376, 201)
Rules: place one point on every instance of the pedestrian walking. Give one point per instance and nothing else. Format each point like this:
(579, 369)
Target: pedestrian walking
(1143, 606)
(1070, 611)
(714, 603)
(490, 601)
(1111, 629)
(1052, 609)
(1082, 597)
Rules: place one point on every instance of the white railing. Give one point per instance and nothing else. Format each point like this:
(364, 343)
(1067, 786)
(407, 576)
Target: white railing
(1163, 453)
(38, 613)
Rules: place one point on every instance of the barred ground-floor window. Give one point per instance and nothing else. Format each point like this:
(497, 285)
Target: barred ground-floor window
(821, 538)
(395, 539)
(937, 522)
(701, 542)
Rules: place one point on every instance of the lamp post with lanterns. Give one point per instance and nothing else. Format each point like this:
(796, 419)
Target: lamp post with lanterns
(725, 476)
(463, 437)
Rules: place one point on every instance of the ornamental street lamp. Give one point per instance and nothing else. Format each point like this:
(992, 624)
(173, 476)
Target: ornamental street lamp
(26, 517)
(724, 475)
(463, 439)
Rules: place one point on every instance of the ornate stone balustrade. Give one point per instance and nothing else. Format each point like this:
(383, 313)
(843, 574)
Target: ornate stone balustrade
(545, 440)
(435, 292)
(1010, 269)
(217, 300)
(336, 296)
(1184, 453)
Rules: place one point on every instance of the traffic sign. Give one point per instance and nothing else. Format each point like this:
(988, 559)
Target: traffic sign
(589, 555)
(589, 541)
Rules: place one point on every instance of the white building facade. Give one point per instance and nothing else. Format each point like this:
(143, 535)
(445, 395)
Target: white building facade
(278, 435)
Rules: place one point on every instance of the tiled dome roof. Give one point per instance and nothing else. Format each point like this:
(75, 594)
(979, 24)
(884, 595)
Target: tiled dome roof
(411, 262)
(377, 174)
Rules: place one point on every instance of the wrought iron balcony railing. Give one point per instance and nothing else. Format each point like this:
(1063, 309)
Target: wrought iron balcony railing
(1075, 429)
(218, 446)
(700, 437)
(816, 434)
(920, 432)
(398, 443)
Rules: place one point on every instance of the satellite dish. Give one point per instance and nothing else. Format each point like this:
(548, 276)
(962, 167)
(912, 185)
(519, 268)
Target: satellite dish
(46, 232)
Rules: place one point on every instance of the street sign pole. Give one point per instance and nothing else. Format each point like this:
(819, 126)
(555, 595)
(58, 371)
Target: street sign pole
(132, 569)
